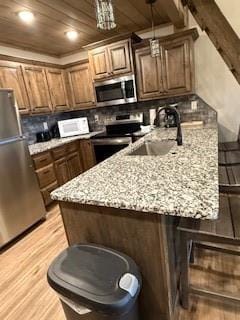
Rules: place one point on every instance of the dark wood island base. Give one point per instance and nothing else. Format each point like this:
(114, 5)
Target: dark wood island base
(150, 239)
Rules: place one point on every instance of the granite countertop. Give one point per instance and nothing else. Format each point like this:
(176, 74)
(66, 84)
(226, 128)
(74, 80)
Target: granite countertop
(48, 145)
(183, 182)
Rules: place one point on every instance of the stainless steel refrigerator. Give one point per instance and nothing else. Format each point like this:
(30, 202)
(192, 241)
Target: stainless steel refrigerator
(21, 203)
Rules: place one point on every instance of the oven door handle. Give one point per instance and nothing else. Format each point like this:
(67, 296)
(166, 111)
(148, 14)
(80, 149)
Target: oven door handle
(111, 141)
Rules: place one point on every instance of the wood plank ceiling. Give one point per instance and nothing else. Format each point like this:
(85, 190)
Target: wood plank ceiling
(54, 18)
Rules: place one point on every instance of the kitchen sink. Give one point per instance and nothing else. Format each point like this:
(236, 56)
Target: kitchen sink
(153, 148)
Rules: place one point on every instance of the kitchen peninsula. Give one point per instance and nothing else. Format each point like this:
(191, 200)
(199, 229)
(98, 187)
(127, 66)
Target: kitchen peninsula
(132, 203)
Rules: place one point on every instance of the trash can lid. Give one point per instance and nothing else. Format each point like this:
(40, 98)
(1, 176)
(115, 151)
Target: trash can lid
(99, 278)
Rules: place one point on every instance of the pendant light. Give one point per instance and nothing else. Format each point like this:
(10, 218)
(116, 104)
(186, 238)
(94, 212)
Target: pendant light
(154, 43)
(105, 15)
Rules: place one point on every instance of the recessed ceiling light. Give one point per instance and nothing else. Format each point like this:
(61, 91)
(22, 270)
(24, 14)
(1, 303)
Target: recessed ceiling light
(72, 35)
(26, 16)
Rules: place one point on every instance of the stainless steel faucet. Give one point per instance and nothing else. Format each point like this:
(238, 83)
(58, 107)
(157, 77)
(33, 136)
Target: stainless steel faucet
(177, 120)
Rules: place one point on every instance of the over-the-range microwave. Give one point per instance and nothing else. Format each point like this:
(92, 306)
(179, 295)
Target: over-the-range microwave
(116, 91)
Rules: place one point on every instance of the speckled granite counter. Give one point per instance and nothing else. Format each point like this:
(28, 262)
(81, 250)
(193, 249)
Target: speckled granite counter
(48, 145)
(182, 183)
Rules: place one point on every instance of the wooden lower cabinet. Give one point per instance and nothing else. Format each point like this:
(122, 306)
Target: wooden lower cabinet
(87, 154)
(68, 168)
(46, 175)
(74, 165)
(61, 168)
(47, 191)
(45, 171)
(59, 165)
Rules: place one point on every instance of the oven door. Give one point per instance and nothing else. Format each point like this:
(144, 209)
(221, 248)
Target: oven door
(116, 91)
(106, 147)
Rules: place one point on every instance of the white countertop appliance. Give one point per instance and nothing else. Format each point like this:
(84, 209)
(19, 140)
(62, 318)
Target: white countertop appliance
(73, 127)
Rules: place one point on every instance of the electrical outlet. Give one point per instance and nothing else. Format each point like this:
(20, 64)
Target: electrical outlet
(96, 118)
(45, 126)
(194, 105)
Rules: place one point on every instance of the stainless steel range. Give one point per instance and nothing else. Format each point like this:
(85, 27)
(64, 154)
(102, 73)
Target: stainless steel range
(119, 134)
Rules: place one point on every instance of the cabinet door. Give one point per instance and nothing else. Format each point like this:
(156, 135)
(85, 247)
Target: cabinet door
(177, 66)
(57, 89)
(149, 75)
(81, 86)
(11, 77)
(98, 59)
(74, 165)
(87, 154)
(119, 57)
(37, 89)
(47, 191)
(61, 169)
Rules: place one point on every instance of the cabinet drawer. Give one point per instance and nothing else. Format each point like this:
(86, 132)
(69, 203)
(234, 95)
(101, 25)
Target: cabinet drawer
(46, 176)
(42, 160)
(72, 147)
(59, 152)
(46, 193)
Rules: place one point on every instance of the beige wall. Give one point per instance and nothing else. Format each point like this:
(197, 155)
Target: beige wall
(27, 55)
(214, 81)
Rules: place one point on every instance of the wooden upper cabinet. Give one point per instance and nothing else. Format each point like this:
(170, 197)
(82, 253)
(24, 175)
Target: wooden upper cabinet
(119, 57)
(98, 59)
(81, 86)
(57, 89)
(37, 89)
(111, 60)
(177, 66)
(148, 74)
(11, 77)
(172, 73)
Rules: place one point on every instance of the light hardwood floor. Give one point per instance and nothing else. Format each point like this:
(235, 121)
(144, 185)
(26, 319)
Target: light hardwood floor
(25, 294)
(24, 291)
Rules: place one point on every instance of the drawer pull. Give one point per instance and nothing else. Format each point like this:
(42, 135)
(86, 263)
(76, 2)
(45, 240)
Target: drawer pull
(43, 160)
(45, 172)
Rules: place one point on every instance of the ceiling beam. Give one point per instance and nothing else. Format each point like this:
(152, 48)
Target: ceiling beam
(175, 11)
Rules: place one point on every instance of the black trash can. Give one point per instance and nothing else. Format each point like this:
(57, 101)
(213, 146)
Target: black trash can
(96, 283)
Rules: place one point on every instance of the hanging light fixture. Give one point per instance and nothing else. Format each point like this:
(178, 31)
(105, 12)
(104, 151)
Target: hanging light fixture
(154, 43)
(105, 15)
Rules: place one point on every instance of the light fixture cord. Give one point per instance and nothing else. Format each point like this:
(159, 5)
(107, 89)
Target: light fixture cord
(153, 28)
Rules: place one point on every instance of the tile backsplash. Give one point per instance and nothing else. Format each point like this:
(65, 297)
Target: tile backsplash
(99, 116)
